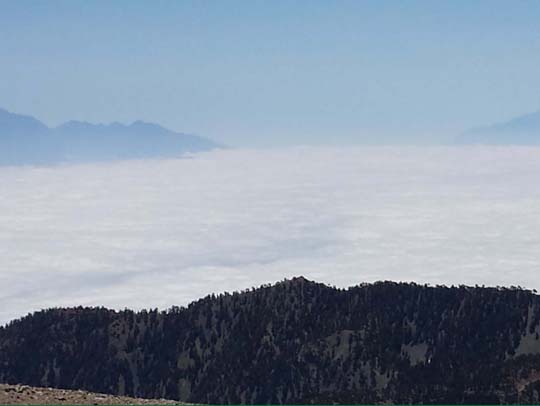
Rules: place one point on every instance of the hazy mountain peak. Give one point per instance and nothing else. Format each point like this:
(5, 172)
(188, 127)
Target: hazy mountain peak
(81, 141)
(523, 129)
(78, 125)
(136, 127)
(143, 125)
(12, 123)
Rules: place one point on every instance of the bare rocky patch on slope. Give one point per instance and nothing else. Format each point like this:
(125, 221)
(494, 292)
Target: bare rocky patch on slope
(23, 394)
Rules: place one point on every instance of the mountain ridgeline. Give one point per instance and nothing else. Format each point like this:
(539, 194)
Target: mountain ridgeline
(294, 342)
(26, 141)
(522, 130)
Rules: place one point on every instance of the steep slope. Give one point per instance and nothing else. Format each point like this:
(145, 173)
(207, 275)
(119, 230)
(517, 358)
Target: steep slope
(13, 124)
(25, 140)
(294, 342)
(523, 130)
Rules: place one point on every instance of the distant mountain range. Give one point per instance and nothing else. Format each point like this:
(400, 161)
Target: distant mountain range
(26, 140)
(523, 130)
(294, 342)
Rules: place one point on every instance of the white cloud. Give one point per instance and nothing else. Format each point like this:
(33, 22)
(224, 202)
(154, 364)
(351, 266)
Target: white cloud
(157, 233)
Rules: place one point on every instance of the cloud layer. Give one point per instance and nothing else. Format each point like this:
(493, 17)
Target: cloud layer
(156, 233)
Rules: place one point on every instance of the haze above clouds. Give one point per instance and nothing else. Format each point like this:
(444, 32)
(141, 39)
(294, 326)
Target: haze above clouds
(156, 233)
(275, 73)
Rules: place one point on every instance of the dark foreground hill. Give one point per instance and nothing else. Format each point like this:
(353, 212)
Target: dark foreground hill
(294, 342)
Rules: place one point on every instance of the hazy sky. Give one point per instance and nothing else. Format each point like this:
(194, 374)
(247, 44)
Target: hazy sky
(274, 72)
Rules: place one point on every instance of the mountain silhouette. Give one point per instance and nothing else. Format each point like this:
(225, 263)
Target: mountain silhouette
(26, 140)
(522, 130)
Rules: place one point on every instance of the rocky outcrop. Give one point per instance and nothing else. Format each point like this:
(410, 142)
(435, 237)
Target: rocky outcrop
(22, 394)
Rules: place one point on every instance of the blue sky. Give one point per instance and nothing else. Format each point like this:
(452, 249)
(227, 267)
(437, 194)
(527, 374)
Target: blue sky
(254, 73)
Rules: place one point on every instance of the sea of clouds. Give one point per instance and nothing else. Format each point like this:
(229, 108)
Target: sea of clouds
(156, 233)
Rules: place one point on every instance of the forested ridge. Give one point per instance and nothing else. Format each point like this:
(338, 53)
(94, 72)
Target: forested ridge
(294, 342)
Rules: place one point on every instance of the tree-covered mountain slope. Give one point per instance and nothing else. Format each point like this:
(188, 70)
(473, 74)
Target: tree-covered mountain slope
(293, 342)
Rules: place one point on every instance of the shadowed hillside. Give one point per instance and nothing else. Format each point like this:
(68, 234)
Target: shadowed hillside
(294, 342)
